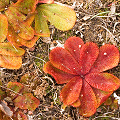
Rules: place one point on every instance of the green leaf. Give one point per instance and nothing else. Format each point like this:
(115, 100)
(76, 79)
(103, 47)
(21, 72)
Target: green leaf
(3, 27)
(41, 27)
(61, 17)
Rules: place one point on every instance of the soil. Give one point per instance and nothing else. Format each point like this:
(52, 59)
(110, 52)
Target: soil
(93, 23)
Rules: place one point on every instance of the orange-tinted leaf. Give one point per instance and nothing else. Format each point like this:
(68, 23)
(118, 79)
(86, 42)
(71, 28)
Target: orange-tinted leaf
(26, 6)
(16, 19)
(13, 37)
(61, 17)
(59, 75)
(46, 1)
(14, 16)
(63, 60)
(41, 27)
(88, 101)
(3, 27)
(70, 93)
(73, 45)
(24, 31)
(11, 50)
(3, 4)
(10, 62)
(16, 87)
(77, 103)
(30, 43)
(88, 54)
(101, 96)
(103, 81)
(27, 101)
(30, 19)
(107, 59)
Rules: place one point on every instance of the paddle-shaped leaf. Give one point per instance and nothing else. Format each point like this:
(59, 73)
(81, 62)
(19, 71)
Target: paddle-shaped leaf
(103, 81)
(10, 62)
(26, 6)
(3, 27)
(61, 17)
(72, 88)
(15, 89)
(16, 19)
(11, 50)
(41, 27)
(27, 101)
(59, 75)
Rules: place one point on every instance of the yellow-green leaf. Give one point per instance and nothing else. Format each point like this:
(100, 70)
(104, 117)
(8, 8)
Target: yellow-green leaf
(61, 17)
(41, 27)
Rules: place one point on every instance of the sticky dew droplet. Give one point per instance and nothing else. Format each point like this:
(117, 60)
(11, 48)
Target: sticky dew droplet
(79, 46)
(105, 53)
(40, 31)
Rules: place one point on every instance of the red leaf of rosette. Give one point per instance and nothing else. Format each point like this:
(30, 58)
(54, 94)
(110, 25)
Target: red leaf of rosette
(27, 101)
(88, 101)
(70, 93)
(73, 45)
(103, 81)
(88, 54)
(63, 60)
(101, 96)
(107, 59)
(59, 75)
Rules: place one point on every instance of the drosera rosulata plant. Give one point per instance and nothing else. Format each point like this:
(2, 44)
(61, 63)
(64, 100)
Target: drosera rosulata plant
(82, 67)
(15, 100)
(23, 22)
